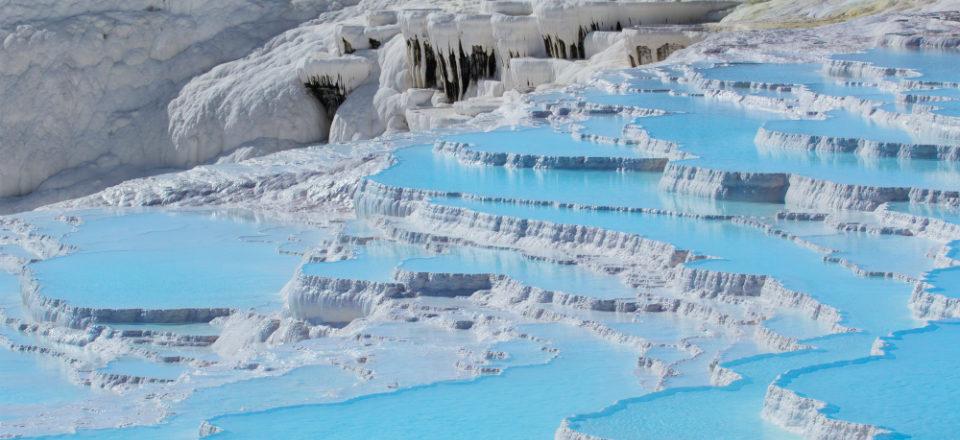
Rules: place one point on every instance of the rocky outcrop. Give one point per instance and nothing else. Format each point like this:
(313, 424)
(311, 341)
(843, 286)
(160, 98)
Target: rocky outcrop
(461, 224)
(865, 70)
(825, 144)
(933, 306)
(506, 43)
(243, 334)
(803, 416)
(564, 432)
(929, 227)
(931, 40)
(813, 193)
(650, 44)
(443, 284)
(467, 155)
(726, 185)
(720, 285)
(334, 301)
(721, 376)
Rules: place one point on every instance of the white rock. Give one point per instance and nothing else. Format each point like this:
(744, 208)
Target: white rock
(101, 75)
(381, 17)
(507, 7)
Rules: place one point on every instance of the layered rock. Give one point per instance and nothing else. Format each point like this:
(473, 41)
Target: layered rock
(334, 301)
(719, 285)
(808, 192)
(466, 155)
(727, 185)
(929, 227)
(863, 147)
(804, 416)
(793, 189)
(930, 306)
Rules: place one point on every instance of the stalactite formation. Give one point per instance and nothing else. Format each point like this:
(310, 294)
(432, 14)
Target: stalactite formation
(454, 52)
(347, 47)
(420, 54)
(459, 69)
(329, 91)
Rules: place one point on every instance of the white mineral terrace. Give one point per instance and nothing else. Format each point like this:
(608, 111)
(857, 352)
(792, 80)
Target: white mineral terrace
(506, 219)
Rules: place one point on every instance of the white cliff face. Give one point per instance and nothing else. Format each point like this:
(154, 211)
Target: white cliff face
(257, 100)
(517, 36)
(802, 415)
(719, 184)
(100, 77)
(334, 301)
(931, 306)
(774, 140)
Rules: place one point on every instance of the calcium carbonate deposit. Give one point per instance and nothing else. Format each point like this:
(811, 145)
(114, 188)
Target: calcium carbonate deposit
(500, 219)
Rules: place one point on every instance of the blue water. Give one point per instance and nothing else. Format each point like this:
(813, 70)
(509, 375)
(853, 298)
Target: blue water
(144, 368)
(724, 140)
(766, 73)
(46, 223)
(933, 65)
(658, 328)
(195, 329)
(842, 124)
(522, 403)
(418, 167)
(302, 386)
(46, 384)
(809, 75)
(375, 261)
(703, 412)
(16, 251)
(947, 214)
(31, 383)
(609, 126)
(911, 391)
(906, 255)
(946, 281)
(795, 324)
(169, 260)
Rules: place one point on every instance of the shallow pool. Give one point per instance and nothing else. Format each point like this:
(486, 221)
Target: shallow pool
(911, 391)
(157, 260)
(529, 401)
